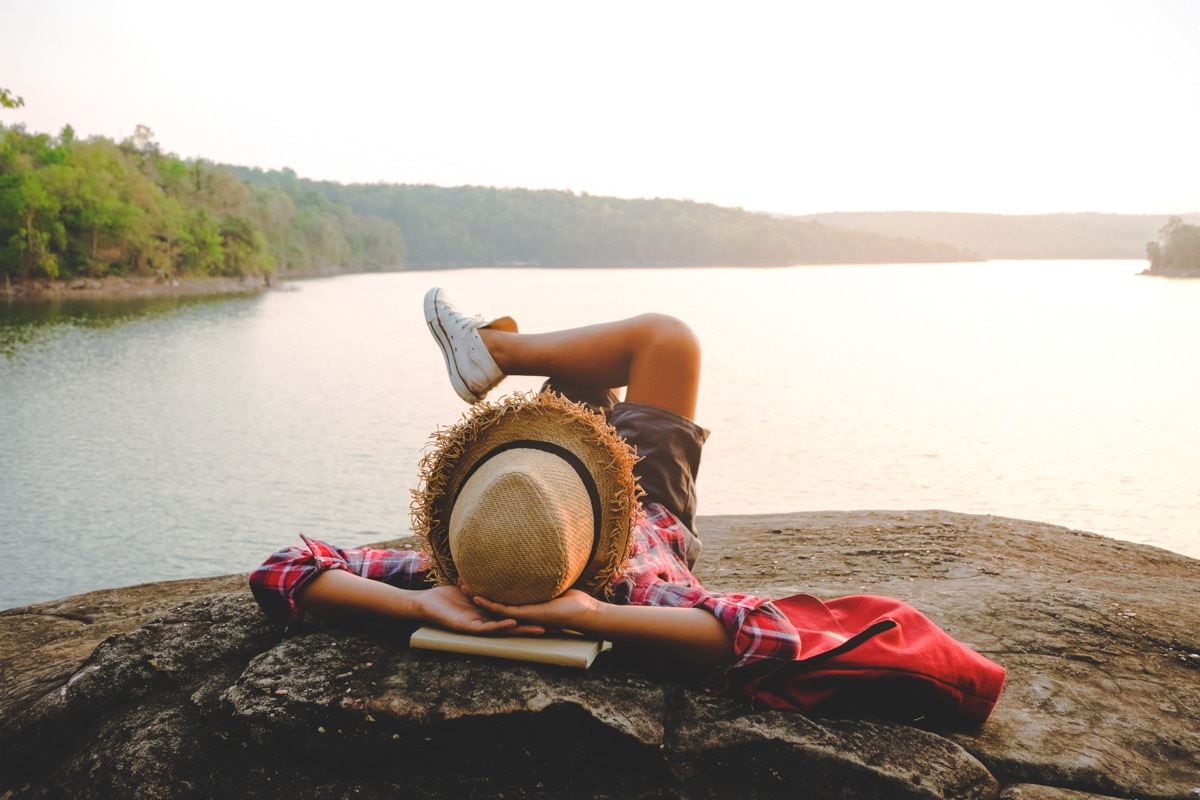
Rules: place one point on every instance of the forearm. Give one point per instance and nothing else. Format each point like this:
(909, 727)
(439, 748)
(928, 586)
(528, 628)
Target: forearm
(278, 583)
(340, 596)
(689, 635)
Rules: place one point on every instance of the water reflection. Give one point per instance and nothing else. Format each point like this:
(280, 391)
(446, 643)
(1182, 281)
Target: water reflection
(25, 322)
(162, 438)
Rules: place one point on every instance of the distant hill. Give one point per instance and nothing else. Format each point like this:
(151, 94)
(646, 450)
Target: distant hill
(1004, 236)
(477, 226)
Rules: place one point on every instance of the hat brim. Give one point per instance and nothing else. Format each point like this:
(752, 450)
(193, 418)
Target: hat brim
(547, 417)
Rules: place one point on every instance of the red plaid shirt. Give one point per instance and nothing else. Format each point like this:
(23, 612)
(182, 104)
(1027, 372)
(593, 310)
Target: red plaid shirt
(847, 643)
(656, 574)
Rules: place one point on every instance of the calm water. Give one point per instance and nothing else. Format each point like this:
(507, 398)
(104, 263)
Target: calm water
(183, 438)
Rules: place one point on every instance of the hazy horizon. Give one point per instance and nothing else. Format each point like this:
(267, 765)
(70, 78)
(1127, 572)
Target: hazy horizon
(1012, 108)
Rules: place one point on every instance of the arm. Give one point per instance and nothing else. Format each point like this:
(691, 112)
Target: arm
(689, 635)
(304, 586)
(339, 596)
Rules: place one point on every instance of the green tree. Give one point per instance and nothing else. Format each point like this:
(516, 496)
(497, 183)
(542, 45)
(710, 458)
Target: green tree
(200, 244)
(95, 207)
(31, 234)
(103, 223)
(9, 100)
(30, 249)
(245, 247)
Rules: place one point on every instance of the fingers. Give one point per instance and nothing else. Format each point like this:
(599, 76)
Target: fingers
(505, 627)
(522, 616)
(526, 630)
(501, 611)
(488, 626)
(497, 624)
(483, 602)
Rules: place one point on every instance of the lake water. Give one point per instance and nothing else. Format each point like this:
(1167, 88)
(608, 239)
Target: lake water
(154, 440)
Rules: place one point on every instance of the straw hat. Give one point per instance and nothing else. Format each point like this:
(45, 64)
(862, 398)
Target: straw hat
(525, 498)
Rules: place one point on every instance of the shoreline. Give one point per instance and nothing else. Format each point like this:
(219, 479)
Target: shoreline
(1186, 274)
(124, 287)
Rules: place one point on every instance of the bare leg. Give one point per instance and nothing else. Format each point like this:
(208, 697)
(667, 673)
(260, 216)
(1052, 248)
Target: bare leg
(656, 357)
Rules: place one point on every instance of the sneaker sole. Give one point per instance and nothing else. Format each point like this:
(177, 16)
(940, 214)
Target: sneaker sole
(443, 340)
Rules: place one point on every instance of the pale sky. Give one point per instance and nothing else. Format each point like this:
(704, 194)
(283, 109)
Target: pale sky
(795, 107)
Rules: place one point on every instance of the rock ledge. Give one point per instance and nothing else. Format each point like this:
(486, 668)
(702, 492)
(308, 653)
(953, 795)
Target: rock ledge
(182, 689)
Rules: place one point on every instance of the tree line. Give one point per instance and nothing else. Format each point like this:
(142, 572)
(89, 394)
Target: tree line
(479, 226)
(1177, 251)
(95, 207)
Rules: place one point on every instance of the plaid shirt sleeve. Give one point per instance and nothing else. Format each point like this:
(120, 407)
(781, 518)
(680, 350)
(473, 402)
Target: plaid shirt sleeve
(657, 575)
(277, 583)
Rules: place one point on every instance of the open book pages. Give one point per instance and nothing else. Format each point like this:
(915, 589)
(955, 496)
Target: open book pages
(568, 650)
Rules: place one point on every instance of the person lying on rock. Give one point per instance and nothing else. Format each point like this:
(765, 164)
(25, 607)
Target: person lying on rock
(566, 509)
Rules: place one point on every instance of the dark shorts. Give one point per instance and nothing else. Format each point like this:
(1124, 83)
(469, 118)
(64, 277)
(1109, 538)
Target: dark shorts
(668, 448)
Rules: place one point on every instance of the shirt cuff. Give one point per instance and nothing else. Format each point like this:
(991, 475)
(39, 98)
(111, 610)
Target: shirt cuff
(322, 558)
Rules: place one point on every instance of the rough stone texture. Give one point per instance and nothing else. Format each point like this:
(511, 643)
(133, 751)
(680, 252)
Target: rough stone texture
(1031, 792)
(182, 689)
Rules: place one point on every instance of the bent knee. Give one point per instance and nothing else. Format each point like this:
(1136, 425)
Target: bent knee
(667, 331)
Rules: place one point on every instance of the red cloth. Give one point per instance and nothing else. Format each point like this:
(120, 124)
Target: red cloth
(878, 647)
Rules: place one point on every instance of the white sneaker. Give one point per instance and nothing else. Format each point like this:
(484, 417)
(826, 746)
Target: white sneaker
(473, 371)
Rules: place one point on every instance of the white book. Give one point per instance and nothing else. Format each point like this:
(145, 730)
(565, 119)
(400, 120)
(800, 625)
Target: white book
(567, 650)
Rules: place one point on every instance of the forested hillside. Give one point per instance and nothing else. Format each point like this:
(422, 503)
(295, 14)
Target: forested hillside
(479, 226)
(95, 208)
(91, 208)
(1016, 236)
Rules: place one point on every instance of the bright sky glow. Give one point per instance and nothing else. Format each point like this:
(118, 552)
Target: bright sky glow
(1022, 106)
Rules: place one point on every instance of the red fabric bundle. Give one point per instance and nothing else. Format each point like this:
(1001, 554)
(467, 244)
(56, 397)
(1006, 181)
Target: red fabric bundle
(880, 651)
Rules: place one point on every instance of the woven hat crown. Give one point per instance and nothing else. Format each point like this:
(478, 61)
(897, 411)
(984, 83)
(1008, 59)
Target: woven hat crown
(522, 527)
(526, 497)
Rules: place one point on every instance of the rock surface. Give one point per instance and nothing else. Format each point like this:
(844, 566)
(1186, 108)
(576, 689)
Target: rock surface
(182, 689)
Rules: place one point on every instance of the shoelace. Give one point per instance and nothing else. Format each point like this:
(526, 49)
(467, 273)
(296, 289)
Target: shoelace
(464, 322)
(468, 323)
